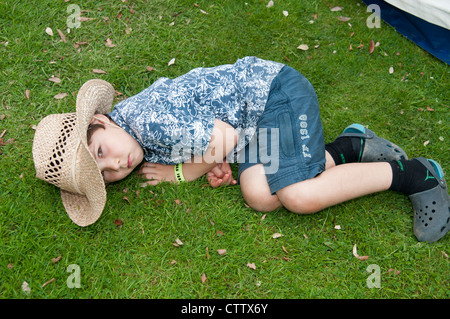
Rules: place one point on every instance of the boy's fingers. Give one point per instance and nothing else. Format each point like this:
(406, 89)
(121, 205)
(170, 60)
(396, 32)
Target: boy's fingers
(217, 171)
(152, 182)
(215, 183)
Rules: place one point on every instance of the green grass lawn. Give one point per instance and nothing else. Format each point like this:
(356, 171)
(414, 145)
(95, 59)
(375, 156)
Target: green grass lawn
(129, 252)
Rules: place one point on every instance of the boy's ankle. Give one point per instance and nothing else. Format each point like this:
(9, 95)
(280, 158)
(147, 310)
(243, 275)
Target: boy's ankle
(410, 177)
(345, 149)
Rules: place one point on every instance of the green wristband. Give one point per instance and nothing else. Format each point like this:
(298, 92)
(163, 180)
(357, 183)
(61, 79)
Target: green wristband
(179, 173)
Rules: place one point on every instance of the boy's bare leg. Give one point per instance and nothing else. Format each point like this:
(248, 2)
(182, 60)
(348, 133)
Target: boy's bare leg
(419, 178)
(336, 185)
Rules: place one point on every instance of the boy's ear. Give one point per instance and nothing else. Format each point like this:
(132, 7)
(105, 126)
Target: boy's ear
(99, 119)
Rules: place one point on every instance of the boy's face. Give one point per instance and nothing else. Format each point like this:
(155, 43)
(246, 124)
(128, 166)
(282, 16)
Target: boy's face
(117, 153)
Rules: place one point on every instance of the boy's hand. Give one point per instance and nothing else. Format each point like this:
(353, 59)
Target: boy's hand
(221, 175)
(157, 173)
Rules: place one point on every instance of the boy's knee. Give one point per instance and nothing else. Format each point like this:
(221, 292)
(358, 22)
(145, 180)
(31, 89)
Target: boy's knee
(261, 201)
(299, 201)
(256, 191)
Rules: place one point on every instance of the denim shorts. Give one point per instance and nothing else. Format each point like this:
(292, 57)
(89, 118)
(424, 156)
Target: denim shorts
(289, 138)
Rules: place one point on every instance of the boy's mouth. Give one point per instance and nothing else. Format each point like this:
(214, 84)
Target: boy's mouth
(129, 161)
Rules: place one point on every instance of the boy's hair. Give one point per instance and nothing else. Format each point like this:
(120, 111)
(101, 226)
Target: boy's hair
(94, 127)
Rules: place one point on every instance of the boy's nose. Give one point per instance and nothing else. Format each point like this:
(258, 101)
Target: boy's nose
(113, 164)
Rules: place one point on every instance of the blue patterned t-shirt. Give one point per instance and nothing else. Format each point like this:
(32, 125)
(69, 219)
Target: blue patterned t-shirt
(172, 120)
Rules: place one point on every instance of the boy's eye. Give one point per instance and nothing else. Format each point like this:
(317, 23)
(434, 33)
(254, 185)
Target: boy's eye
(99, 152)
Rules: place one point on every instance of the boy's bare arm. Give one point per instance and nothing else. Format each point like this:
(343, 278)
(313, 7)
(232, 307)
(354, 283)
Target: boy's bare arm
(223, 140)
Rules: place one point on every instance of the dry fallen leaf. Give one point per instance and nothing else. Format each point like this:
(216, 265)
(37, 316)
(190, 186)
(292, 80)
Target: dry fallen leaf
(270, 4)
(391, 70)
(118, 222)
(2, 142)
(126, 198)
(343, 19)
(371, 46)
(27, 94)
(98, 71)
(77, 44)
(49, 31)
(337, 8)
(276, 235)
(55, 79)
(171, 62)
(26, 288)
(60, 96)
(85, 19)
(51, 280)
(178, 241)
(221, 251)
(358, 256)
(251, 265)
(55, 260)
(150, 69)
(61, 35)
(396, 272)
(303, 47)
(204, 277)
(109, 43)
(285, 13)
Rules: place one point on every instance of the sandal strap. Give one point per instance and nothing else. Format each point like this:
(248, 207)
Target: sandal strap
(434, 168)
(357, 130)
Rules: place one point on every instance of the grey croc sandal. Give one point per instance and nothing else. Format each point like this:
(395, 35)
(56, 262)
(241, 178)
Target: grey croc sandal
(431, 207)
(376, 149)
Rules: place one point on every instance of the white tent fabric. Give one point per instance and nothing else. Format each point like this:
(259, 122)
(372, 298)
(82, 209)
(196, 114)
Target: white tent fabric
(432, 11)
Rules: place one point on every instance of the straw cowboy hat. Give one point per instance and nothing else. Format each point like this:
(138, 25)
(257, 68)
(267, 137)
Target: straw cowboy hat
(61, 155)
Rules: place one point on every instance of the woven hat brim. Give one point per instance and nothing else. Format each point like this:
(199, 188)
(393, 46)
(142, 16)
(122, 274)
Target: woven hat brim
(94, 97)
(86, 209)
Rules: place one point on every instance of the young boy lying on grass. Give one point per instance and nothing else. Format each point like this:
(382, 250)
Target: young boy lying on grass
(262, 114)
